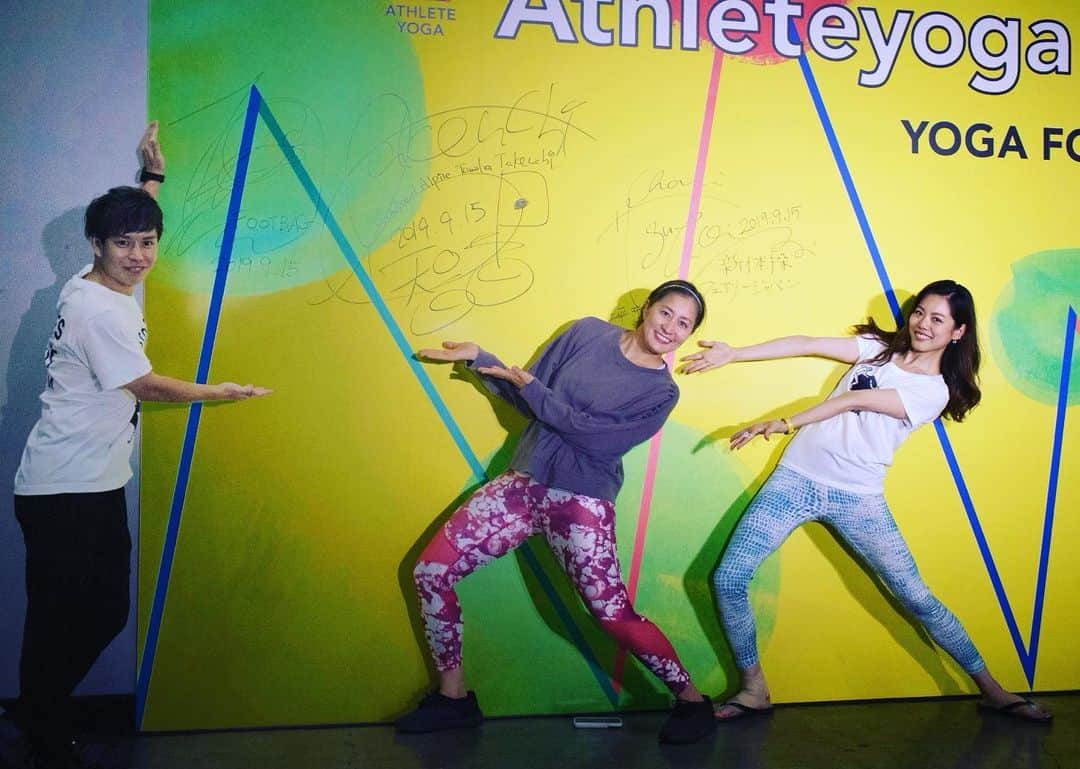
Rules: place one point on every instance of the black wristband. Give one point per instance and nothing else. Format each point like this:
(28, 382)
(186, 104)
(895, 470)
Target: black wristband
(150, 176)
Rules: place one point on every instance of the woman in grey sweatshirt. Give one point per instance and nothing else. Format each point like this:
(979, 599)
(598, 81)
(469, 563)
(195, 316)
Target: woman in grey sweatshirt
(595, 392)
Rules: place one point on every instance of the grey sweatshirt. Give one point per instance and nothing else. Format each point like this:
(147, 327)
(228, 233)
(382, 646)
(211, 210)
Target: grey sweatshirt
(588, 404)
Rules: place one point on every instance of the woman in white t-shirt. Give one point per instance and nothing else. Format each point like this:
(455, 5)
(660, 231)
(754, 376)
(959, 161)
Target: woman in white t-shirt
(834, 468)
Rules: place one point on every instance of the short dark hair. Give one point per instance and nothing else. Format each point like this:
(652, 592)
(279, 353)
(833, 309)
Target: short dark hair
(684, 287)
(122, 210)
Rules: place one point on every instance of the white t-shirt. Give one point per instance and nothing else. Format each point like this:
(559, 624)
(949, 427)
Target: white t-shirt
(853, 450)
(83, 440)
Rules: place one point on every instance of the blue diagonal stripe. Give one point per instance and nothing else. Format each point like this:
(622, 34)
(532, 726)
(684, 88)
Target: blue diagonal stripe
(849, 187)
(981, 542)
(323, 211)
(394, 329)
(1026, 654)
(1051, 489)
(172, 530)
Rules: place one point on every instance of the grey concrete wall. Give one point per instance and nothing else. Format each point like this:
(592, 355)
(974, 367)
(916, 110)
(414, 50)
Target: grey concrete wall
(73, 96)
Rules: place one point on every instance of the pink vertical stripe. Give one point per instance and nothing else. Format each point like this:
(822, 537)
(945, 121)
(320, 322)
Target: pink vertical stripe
(699, 172)
(684, 271)
(643, 513)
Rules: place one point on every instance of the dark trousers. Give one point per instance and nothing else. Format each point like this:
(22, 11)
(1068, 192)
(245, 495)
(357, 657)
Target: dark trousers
(78, 553)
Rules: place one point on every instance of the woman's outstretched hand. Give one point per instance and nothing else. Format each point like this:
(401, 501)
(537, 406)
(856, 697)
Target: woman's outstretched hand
(451, 352)
(712, 355)
(766, 428)
(514, 375)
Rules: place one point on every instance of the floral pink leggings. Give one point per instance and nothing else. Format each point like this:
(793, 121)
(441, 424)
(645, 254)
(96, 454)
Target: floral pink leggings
(581, 532)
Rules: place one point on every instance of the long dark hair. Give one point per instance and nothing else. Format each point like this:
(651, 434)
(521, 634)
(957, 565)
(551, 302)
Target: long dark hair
(959, 361)
(684, 287)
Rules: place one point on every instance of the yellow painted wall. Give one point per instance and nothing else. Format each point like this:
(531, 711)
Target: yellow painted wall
(495, 189)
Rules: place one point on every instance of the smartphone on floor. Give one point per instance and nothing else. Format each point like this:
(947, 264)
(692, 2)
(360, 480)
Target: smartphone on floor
(597, 722)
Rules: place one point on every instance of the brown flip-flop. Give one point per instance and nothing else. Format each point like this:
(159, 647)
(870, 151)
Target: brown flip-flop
(742, 711)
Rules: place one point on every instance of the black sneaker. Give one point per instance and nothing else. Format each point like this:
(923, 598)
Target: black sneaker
(438, 712)
(688, 722)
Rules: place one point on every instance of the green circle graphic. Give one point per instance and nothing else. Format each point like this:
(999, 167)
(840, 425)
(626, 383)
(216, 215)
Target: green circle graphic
(1028, 325)
(345, 87)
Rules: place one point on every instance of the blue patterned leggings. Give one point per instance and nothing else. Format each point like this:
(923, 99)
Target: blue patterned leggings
(788, 500)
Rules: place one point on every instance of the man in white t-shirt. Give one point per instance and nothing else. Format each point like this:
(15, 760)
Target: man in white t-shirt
(69, 488)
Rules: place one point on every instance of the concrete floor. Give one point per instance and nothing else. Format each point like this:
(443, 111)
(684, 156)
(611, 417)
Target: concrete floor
(921, 734)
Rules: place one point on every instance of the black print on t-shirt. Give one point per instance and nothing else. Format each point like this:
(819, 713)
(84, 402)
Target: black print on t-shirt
(862, 378)
(863, 382)
(134, 420)
(50, 349)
